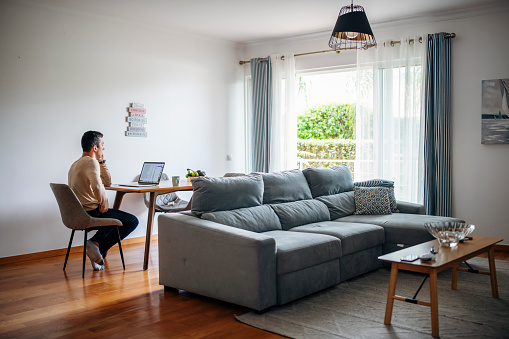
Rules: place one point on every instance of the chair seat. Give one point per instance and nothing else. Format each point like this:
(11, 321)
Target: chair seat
(174, 206)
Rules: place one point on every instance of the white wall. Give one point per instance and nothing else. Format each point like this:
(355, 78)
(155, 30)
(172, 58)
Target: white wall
(480, 173)
(63, 73)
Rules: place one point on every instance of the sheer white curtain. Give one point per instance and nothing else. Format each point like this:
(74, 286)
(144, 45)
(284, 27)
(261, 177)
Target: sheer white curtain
(283, 153)
(390, 116)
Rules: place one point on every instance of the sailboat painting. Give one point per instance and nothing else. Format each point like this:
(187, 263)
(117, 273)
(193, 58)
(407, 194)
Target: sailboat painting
(495, 111)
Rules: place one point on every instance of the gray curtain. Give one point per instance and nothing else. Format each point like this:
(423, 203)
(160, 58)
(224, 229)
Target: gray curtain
(437, 115)
(261, 75)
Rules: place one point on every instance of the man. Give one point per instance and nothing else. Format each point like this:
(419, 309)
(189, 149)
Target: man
(87, 178)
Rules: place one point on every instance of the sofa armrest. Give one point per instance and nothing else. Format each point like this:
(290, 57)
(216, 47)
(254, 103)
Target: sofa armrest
(410, 207)
(217, 261)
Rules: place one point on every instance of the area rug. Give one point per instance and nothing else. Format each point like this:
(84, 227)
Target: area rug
(356, 308)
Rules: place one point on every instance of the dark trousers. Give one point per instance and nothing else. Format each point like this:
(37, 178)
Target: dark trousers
(106, 236)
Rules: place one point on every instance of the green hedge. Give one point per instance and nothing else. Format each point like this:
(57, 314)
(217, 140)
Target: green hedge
(326, 132)
(330, 121)
(329, 149)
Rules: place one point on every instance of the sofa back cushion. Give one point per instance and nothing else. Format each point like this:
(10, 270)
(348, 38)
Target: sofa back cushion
(292, 214)
(285, 186)
(223, 194)
(327, 181)
(256, 219)
(339, 205)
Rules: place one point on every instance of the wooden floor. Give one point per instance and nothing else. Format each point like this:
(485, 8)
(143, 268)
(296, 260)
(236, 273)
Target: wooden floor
(39, 300)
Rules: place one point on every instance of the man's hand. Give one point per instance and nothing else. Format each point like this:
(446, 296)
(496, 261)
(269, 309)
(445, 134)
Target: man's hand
(103, 209)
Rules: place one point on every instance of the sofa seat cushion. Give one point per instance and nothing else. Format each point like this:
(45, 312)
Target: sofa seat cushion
(256, 219)
(223, 194)
(298, 250)
(400, 228)
(355, 237)
(330, 180)
(292, 214)
(285, 186)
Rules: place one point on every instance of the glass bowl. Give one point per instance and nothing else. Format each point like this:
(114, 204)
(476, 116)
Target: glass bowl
(449, 233)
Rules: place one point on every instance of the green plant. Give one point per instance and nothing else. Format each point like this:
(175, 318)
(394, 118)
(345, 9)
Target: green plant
(331, 121)
(326, 153)
(333, 149)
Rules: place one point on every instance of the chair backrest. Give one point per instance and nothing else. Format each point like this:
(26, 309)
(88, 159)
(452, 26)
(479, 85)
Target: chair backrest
(161, 199)
(72, 212)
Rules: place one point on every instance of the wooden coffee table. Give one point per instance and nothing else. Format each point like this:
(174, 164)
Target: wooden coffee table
(446, 258)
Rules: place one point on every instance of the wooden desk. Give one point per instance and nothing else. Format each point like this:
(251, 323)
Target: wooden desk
(163, 187)
(447, 257)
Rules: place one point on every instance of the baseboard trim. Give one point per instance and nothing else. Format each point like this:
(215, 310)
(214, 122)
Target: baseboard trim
(61, 252)
(501, 248)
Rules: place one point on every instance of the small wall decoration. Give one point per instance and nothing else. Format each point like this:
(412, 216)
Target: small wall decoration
(136, 120)
(495, 111)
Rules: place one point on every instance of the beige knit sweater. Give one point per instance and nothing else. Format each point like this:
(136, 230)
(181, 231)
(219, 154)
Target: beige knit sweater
(87, 178)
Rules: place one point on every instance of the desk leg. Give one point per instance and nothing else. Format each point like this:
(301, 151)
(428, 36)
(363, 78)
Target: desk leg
(433, 290)
(493, 272)
(150, 221)
(391, 294)
(118, 199)
(188, 207)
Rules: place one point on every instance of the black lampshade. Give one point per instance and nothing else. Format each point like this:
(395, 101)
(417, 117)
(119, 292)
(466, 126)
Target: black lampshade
(352, 30)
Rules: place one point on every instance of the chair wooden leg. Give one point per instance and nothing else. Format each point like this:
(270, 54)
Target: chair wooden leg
(120, 248)
(84, 253)
(68, 249)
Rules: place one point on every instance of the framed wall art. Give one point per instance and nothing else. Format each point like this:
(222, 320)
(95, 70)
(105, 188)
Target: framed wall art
(495, 111)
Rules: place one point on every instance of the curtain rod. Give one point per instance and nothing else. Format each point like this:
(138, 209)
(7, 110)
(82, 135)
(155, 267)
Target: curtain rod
(447, 36)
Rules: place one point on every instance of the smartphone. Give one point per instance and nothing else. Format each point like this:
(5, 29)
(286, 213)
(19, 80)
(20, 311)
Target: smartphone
(410, 257)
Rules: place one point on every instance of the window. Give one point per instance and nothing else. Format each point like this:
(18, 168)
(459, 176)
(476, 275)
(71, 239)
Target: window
(390, 123)
(326, 118)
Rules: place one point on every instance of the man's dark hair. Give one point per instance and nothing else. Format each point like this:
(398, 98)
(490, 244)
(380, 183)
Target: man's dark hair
(90, 139)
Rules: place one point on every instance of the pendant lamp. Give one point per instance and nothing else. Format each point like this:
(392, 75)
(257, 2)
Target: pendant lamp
(352, 29)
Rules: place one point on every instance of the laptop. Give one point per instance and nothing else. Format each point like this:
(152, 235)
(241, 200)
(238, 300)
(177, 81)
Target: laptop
(150, 175)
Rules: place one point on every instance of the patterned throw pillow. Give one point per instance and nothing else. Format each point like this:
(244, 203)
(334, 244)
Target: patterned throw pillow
(372, 200)
(381, 183)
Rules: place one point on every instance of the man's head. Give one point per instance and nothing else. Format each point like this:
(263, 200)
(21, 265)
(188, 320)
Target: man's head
(93, 145)
(91, 139)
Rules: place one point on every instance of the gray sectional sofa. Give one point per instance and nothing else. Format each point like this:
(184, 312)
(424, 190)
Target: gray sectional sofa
(268, 239)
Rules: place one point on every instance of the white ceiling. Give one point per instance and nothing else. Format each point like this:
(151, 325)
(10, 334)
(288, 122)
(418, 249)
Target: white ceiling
(254, 20)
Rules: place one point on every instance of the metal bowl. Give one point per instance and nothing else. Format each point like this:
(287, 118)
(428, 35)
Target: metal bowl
(449, 233)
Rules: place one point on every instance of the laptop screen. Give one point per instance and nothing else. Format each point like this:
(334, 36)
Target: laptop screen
(151, 172)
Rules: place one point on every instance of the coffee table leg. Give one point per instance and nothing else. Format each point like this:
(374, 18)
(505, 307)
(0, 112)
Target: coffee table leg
(454, 282)
(433, 290)
(391, 293)
(493, 272)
